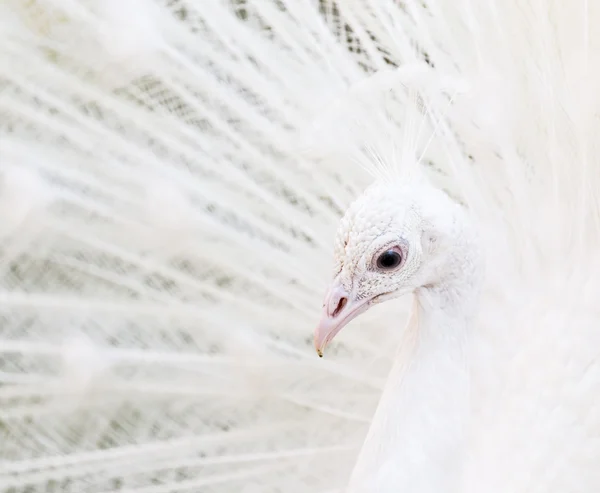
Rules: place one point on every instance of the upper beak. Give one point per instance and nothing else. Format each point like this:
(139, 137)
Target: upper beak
(338, 309)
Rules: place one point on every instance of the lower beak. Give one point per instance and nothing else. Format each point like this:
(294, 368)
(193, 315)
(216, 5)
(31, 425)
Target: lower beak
(339, 309)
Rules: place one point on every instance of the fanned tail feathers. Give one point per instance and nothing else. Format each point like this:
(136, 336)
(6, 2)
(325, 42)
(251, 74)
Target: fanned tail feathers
(172, 173)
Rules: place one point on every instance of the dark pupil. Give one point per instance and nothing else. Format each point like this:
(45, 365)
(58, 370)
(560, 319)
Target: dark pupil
(389, 260)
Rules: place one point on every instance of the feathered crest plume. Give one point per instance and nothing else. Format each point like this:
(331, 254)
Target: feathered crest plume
(385, 124)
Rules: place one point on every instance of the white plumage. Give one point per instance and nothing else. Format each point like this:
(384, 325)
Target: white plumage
(172, 176)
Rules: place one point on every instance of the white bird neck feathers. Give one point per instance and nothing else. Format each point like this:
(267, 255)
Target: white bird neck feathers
(394, 240)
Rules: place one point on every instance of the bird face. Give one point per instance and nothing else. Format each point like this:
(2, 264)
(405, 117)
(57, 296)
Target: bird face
(380, 251)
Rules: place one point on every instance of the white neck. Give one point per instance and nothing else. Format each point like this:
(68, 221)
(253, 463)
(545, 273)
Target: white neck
(417, 438)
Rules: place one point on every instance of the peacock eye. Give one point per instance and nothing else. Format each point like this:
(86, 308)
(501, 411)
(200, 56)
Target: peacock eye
(390, 259)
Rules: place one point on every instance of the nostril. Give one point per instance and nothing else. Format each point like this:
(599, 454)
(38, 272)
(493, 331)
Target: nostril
(335, 301)
(340, 306)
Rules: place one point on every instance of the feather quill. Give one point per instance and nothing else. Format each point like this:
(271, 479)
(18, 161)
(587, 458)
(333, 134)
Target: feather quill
(170, 184)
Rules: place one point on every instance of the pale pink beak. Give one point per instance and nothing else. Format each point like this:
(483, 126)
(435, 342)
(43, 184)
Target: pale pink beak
(338, 309)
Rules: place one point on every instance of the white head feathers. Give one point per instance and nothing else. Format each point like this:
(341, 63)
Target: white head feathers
(398, 237)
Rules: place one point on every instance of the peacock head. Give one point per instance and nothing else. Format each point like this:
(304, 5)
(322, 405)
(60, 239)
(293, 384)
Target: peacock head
(394, 239)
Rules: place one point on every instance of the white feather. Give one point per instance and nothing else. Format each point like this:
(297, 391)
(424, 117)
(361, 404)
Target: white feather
(163, 204)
